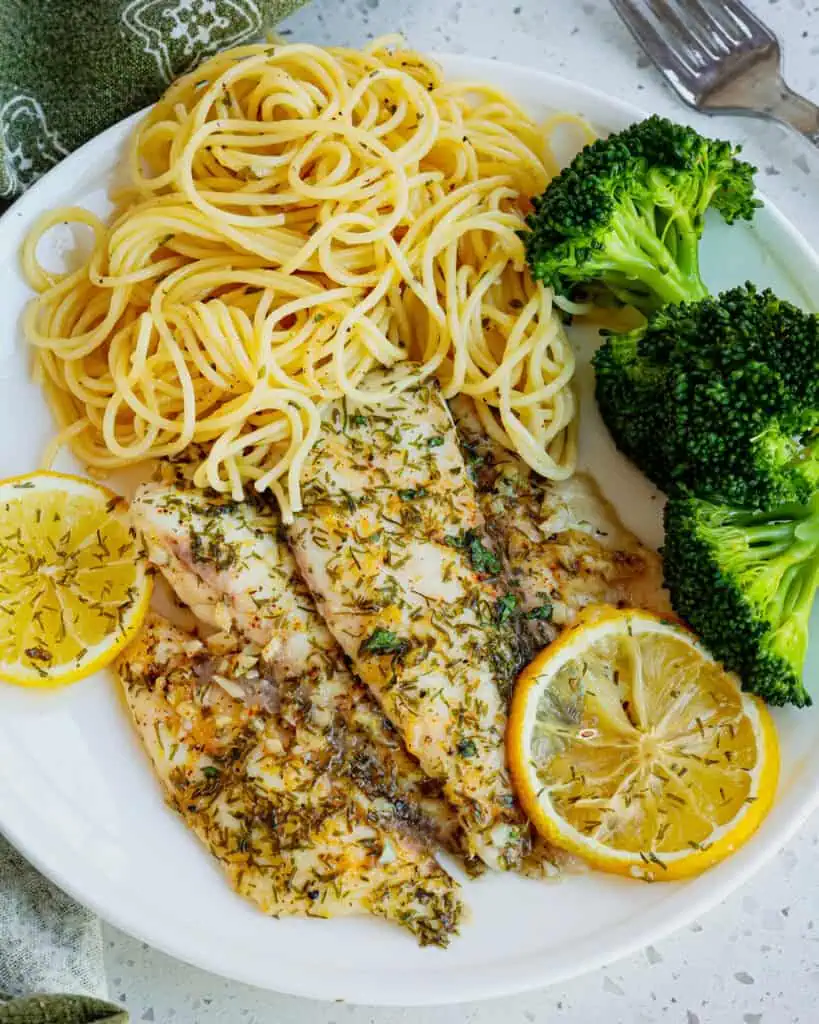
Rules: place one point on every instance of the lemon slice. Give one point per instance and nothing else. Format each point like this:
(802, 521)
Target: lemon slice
(74, 585)
(632, 748)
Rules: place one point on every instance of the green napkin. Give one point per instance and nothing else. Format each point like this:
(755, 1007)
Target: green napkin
(70, 68)
(60, 1010)
(47, 944)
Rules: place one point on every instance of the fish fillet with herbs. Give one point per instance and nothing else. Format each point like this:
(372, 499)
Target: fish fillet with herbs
(562, 544)
(229, 562)
(389, 541)
(252, 765)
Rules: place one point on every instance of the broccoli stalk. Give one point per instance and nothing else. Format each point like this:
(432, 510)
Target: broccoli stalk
(645, 267)
(627, 215)
(746, 581)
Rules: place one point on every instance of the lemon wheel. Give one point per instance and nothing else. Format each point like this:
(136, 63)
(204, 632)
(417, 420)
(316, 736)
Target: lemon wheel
(632, 748)
(74, 586)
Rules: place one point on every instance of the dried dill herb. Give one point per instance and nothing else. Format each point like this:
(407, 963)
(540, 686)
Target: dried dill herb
(38, 654)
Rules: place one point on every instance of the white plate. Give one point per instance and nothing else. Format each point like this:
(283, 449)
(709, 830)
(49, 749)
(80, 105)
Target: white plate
(78, 798)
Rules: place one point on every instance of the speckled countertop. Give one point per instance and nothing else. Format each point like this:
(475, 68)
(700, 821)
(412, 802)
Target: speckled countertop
(755, 960)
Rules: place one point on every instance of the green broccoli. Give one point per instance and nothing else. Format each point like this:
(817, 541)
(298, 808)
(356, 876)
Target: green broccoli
(627, 215)
(745, 581)
(719, 398)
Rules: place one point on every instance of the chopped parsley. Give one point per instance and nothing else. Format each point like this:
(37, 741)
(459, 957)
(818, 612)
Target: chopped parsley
(467, 748)
(483, 560)
(435, 442)
(505, 608)
(384, 641)
(410, 494)
(543, 612)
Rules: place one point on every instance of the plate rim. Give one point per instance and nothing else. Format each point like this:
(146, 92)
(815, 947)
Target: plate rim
(439, 987)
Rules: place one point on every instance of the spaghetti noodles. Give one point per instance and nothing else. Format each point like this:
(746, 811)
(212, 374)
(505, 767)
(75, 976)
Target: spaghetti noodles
(294, 217)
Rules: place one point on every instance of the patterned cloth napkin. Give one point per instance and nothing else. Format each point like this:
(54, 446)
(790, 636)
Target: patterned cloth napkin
(69, 69)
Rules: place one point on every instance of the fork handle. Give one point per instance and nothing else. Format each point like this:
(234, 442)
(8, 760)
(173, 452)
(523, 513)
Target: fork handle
(795, 111)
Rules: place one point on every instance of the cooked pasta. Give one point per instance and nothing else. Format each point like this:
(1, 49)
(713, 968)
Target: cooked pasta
(293, 217)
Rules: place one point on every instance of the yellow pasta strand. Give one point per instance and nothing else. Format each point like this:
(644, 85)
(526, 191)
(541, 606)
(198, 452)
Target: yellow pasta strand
(295, 216)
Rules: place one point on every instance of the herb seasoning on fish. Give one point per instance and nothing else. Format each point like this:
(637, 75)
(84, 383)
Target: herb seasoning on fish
(408, 588)
(267, 791)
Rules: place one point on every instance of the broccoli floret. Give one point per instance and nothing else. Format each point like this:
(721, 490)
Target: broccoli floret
(626, 216)
(745, 581)
(719, 398)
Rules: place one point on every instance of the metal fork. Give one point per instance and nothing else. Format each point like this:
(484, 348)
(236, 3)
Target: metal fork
(720, 58)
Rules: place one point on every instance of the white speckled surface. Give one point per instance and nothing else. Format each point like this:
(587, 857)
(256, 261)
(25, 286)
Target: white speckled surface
(755, 960)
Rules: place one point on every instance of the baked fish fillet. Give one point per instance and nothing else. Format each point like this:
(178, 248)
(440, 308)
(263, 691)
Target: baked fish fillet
(250, 764)
(228, 561)
(389, 541)
(562, 543)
